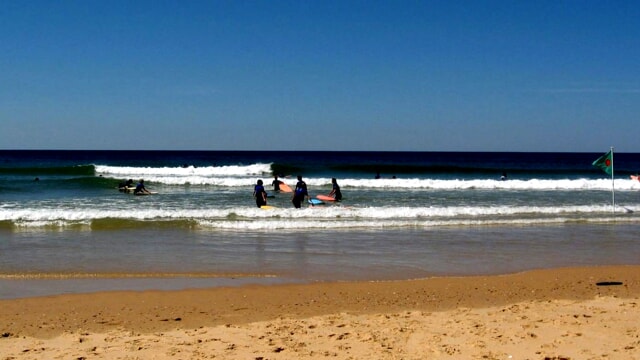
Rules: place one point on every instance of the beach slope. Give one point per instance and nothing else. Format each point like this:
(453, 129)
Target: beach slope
(572, 313)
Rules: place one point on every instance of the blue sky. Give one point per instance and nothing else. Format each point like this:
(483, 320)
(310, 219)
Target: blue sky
(320, 75)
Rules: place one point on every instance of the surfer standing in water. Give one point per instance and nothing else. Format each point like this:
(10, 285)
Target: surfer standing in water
(335, 192)
(276, 184)
(260, 194)
(299, 193)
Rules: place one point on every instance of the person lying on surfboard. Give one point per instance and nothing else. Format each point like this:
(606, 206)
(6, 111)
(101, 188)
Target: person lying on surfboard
(140, 189)
(335, 192)
(125, 185)
(300, 193)
(260, 194)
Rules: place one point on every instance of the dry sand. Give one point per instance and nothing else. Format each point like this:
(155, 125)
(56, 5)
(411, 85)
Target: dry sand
(543, 314)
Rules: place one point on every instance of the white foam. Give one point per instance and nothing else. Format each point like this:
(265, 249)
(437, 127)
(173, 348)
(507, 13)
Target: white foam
(484, 184)
(246, 175)
(227, 170)
(325, 217)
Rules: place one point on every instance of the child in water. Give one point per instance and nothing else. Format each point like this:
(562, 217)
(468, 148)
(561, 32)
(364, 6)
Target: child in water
(260, 194)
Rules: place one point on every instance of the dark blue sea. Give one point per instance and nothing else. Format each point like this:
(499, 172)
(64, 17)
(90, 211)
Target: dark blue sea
(65, 226)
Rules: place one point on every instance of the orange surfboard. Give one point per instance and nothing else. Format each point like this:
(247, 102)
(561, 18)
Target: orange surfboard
(285, 188)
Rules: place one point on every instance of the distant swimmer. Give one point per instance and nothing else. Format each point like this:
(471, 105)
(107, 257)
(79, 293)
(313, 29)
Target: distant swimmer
(504, 176)
(260, 194)
(140, 189)
(276, 183)
(335, 192)
(300, 193)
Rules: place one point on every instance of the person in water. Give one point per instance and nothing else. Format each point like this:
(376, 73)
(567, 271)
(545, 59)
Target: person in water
(300, 193)
(335, 192)
(125, 185)
(140, 189)
(260, 194)
(276, 183)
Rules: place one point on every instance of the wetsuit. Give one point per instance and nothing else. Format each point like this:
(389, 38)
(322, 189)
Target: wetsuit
(139, 188)
(299, 193)
(336, 192)
(276, 185)
(260, 195)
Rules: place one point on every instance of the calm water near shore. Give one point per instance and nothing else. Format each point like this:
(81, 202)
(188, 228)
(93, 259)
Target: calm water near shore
(177, 259)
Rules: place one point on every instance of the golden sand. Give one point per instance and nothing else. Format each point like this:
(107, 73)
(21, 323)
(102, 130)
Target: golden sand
(574, 313)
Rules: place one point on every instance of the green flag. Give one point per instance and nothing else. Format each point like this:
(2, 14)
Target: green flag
(604, 163)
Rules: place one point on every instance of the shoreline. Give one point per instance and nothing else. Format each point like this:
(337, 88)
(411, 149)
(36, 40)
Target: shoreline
(289, 314)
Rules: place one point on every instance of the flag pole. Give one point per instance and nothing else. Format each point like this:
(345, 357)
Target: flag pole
(613, 191)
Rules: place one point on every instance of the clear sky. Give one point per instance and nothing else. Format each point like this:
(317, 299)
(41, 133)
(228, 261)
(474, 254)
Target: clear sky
(320, 75)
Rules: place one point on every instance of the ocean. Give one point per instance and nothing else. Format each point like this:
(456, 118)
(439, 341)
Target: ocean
(65, 227)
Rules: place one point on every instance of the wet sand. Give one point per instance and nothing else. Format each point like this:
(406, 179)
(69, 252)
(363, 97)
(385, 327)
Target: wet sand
(568, 313)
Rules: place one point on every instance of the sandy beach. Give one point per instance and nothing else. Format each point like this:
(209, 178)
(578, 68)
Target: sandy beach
(569, 313)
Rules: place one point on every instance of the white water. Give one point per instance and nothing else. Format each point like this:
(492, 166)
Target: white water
(323, 217)
(219, 197)
(236, 176)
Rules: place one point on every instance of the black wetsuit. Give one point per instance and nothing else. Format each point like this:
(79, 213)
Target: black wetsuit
(276, 185)
(337, 194)
(299, 193)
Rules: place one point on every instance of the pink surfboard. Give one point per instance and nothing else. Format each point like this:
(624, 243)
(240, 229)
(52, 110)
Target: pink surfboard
(325, 198)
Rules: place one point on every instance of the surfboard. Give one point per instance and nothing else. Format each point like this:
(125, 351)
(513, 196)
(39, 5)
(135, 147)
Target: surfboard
(267, 207)
(315, 202)
(146, 193)
(325, 198)
(285, 188)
